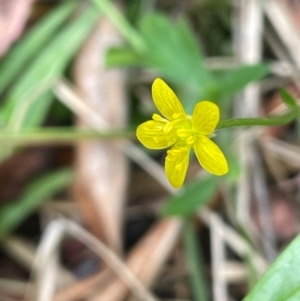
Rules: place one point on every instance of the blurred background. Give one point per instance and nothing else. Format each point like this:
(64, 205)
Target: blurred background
(86, 212)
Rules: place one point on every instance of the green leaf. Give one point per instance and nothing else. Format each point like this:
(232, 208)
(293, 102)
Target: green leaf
(281, 282)
(14, 213)
(235, 80)
(288, 99)
(47, 67)
(123, 57)
(172, 50)
(108, 8)
(26, 49)
(194, 260)
(191, 197)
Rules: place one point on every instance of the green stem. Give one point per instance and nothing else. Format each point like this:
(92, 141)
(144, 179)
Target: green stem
(270, 121)
(59, 135)
(71, 135)
(195, 262)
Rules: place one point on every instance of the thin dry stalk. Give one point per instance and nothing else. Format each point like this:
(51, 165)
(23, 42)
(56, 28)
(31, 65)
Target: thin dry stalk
(263, 205)
(283, 36)
(248, 43)
(111, 259)
(235, 272)
(23, 252)
(45, 267)
(282, 150)
(53, 208)
(237, 243)
(280, 19)
(146, 260)
(14, 287)
(83, 288)
(246, 24)
(20, 250)
(218, 260)
(149, 257)
(47, 252)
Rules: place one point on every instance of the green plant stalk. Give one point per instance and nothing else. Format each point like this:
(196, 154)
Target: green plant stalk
(38, 191)
(69, 135)
(269, 121)
(59, 135)
(131, 35)
(194, 262)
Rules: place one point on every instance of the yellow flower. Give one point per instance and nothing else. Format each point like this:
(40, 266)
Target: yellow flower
(182, 132)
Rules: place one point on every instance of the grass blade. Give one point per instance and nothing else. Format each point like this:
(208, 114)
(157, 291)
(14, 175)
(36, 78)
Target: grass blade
(14, 213)
(194, 262)
(46, 69)
(16, 59)
(191, 197)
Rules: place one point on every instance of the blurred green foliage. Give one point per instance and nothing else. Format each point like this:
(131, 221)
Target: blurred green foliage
(14, 213)
(194, 260)
(288, 99)
(173, 52)
(28, 100)
(281, 282)
(191, 197)
(27, 73)
(213, 20)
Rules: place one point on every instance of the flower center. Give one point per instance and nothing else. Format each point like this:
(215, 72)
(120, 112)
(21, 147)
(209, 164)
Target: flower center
(181, 129)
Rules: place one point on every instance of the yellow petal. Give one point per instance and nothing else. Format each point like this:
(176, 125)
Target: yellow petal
(177, 162)
(166, 100)
(205, 117)
(152, 135)
(210, 156)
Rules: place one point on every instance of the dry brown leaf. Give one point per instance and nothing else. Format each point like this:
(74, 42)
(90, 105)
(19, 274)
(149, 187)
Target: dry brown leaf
(101, 167)
(146, 260)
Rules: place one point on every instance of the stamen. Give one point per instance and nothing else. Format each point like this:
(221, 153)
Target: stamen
(176, 115)
(182, 133)
(157, 117)
(190, 140)
(170, 159)
(170, 156)
(167, 128)
(175, 152)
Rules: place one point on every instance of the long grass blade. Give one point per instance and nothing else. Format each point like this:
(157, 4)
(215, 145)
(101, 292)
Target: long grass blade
(25, 50)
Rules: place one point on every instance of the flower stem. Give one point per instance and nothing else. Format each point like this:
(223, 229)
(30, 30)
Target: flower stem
(52, 135)
(270, 121)
(195, 262)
